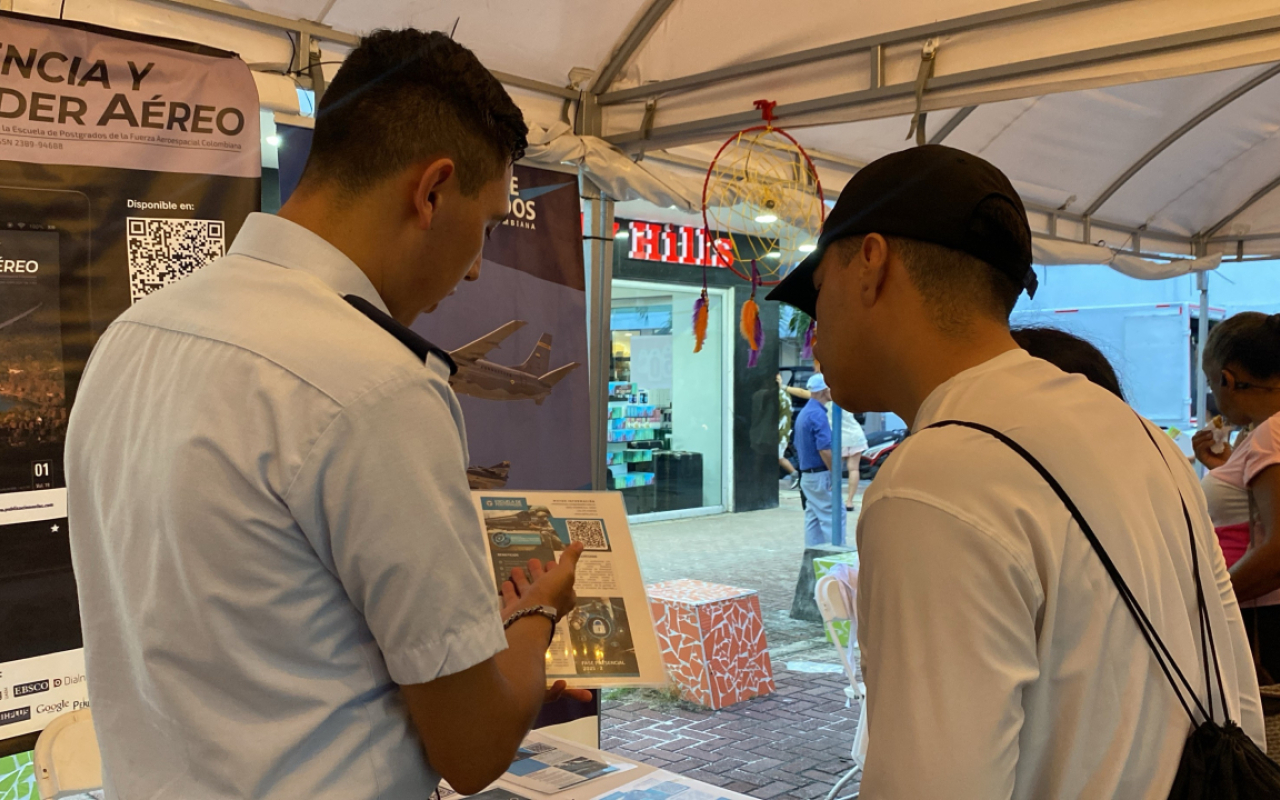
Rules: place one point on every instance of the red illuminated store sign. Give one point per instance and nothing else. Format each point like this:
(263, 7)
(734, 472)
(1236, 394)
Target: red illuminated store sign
(677, 244)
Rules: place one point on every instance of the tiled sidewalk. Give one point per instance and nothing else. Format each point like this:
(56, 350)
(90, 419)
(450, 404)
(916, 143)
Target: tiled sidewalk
(792, 744)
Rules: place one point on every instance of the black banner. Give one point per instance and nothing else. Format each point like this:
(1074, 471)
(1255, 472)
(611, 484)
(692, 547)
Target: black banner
(126, 163)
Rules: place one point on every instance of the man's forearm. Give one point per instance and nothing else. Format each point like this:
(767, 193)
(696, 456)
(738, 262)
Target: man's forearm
(471, 723)
(826, 457)
(524, 666)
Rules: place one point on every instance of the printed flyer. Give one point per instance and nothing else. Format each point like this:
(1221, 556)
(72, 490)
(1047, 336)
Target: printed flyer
(548, 766)
(608, 640)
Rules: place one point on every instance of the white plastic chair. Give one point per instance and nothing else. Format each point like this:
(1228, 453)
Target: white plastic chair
(66, 758)
(830, 596)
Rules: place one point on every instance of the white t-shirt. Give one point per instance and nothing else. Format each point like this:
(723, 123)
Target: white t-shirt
(999, 659)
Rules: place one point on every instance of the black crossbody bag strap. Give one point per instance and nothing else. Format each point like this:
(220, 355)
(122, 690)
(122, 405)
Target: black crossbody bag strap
(1181, 686)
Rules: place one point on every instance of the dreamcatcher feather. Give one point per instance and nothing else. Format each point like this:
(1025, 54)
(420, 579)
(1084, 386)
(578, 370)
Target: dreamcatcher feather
(700, 316)
(751, 327)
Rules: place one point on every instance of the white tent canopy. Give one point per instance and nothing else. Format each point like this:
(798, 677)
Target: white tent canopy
(1146, 125)
(1138, 124)
(1131, 128)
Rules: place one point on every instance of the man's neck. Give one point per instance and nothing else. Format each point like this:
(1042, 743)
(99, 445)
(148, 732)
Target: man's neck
(938, 359)
(342, 227)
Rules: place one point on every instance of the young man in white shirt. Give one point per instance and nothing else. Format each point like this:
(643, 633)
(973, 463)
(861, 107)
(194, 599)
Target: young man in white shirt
(999, 658)
(283, 583)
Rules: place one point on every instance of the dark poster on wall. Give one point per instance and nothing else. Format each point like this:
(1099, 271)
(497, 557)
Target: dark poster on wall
(126, 163)
(518, 335)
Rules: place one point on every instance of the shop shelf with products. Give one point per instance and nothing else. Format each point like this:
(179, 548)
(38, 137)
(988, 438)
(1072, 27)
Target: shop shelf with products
(637, 429)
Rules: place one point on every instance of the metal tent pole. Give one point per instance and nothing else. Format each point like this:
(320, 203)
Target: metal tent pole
(1202, 386)
(837, 472)
(597, 253)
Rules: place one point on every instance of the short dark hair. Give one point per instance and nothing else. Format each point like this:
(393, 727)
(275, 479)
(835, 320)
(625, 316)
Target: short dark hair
(404, 95)
(955, 286)
(1249, 341)
(1069, 353)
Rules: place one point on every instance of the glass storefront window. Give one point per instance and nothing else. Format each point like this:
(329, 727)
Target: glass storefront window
(668, 406)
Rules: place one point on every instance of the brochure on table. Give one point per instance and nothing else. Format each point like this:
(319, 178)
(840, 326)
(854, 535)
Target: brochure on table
(608, 640)
(587, 775)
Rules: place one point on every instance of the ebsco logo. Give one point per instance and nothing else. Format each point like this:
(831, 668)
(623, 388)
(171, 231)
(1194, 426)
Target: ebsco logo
(35, 687)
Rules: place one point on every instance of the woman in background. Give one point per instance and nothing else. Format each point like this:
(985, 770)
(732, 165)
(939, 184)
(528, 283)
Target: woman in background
(853, 441)
(1242, 365)
(1228, 503)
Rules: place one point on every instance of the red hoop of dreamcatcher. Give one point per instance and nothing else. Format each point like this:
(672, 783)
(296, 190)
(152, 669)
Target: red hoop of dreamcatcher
(779, 190)
(803, 173)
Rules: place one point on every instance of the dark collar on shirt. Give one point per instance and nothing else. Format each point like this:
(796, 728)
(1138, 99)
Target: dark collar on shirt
(406, 336)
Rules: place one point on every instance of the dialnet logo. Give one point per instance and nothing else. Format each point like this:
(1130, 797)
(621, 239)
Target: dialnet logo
(35, 687)
(23, 266)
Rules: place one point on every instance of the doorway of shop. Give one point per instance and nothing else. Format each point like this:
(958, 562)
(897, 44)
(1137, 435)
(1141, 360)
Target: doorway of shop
(670, 440)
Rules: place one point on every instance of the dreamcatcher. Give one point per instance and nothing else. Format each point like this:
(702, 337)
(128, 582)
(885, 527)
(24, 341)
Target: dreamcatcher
(762, 205)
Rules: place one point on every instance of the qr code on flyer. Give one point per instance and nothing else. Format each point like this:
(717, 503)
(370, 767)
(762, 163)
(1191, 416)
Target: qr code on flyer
(162, 251)
(588, 531)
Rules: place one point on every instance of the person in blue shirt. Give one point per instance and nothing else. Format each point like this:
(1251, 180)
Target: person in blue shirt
(813, 451)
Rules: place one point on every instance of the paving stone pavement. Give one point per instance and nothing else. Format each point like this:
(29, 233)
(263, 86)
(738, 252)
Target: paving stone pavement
(791, 745)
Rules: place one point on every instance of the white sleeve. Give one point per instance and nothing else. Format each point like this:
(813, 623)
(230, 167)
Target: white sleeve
(947, 629)
(383, 498)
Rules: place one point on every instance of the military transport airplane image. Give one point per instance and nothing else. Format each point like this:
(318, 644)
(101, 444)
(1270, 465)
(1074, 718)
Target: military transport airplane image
(489, 381)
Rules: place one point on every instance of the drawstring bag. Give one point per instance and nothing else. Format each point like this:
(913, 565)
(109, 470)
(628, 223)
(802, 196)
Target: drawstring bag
(1218, 761)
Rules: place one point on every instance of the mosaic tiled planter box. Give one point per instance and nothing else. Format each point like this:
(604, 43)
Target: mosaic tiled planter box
(712, 641)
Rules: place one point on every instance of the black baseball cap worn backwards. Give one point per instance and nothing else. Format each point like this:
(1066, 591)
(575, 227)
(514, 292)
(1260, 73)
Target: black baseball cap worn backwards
(933, 194)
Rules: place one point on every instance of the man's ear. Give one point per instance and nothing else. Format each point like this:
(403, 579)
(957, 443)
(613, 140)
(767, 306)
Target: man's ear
(873, 260)
(427, 191)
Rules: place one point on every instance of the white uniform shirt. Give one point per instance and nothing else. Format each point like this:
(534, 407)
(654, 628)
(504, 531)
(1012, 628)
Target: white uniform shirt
(271, 529)
(999, 659)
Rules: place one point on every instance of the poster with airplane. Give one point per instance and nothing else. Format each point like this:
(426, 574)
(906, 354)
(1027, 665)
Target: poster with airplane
(518, 336)
(531, 380)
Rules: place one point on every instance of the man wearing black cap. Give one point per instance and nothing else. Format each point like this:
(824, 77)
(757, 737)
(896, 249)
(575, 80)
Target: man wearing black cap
(999, 657)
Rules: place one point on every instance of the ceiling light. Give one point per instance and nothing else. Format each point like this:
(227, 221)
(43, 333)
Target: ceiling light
(622, 234)
(274, 140)
(808, 248)
(775, 254)
(767, 218)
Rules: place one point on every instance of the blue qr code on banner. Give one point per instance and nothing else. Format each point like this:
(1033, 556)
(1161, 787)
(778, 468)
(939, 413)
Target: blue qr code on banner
(163, 251)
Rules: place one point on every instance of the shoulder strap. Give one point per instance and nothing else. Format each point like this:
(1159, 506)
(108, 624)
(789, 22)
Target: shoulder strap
(405, 335)
(1162, 655)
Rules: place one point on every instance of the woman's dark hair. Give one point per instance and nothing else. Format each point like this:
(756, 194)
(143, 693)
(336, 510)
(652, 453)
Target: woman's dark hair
(405, 95)
(1249, 341)
(1069, 353)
